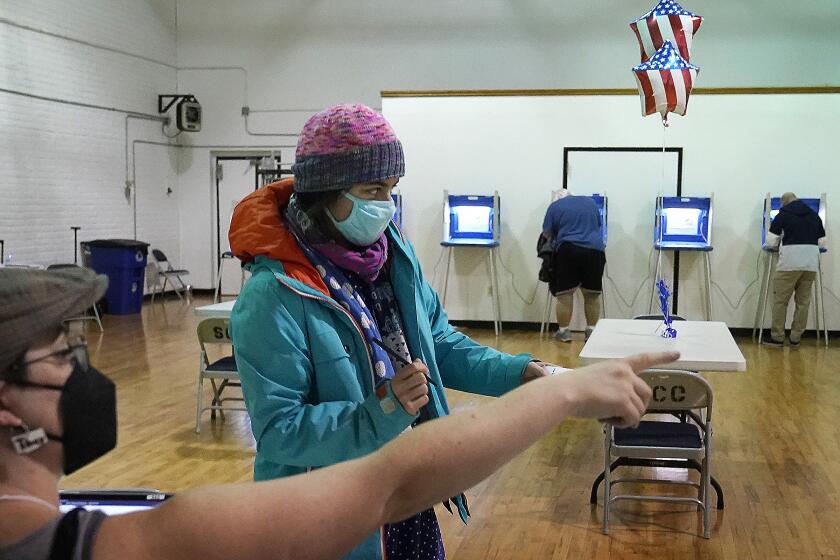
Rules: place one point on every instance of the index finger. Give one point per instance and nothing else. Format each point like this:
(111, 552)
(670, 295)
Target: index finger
(641, 362)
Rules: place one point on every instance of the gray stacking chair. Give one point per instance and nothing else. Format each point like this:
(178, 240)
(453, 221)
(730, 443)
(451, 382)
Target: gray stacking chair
(166, 271)
(215, 331)
(656, 443)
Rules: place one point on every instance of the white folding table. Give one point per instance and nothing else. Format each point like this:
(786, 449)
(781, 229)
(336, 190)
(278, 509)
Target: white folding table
(222, 309)
(703, 345)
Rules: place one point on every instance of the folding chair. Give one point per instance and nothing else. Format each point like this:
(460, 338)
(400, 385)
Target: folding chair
(215, 331)
(166, 271)
(685, 445)
(87, 316)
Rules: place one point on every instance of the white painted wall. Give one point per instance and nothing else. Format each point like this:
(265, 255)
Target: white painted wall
(298, 57)
(737, 146)
(63, 165)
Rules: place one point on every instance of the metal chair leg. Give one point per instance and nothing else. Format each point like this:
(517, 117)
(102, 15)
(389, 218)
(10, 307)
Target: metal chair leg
(199, 400)
(213, 402)
(705, 477)
(607, 490)
(98, 318)
(177, 291)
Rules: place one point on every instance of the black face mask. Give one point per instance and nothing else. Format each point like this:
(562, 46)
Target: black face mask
(88, 411)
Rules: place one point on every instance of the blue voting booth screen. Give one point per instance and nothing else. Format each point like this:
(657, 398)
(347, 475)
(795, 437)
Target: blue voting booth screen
(471, 218)
(684, 222)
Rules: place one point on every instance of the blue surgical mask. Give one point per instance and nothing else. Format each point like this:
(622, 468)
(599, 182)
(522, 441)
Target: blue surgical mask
(367, 220)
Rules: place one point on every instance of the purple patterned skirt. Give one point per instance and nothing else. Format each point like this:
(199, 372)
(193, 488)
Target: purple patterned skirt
(416, 538)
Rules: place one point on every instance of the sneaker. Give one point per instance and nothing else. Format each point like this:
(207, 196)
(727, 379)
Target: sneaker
(563, 335)
(588, 332)
(772, 342)
(793, 344)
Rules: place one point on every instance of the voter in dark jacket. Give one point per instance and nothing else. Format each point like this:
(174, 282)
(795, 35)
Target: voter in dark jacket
(798, 232)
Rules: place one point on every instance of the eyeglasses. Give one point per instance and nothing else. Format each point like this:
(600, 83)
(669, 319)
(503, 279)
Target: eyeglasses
(76, 349)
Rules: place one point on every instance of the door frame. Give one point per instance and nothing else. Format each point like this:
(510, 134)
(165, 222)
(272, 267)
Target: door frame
(676, 150)
(216, 157)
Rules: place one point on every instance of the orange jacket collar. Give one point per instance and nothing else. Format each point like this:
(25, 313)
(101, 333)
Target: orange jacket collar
(257, 229)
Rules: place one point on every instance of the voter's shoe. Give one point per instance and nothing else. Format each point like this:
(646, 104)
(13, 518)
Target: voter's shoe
(563, 335)
(769, 341)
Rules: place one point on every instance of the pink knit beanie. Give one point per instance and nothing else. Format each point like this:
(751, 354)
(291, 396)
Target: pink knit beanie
(344, 145)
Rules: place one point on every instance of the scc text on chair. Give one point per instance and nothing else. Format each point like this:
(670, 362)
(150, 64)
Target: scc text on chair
(221, 372)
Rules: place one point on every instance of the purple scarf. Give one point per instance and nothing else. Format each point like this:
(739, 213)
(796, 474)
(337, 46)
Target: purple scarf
(366, 262)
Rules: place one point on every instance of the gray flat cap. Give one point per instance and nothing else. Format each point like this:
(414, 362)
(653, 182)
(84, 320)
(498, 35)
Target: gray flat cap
(32, 302)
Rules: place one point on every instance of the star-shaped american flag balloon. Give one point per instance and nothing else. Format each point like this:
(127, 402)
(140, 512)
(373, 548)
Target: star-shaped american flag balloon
(665, 81)
(667, 21)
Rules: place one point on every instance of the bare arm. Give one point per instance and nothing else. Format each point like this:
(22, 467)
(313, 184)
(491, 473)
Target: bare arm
(325, 513)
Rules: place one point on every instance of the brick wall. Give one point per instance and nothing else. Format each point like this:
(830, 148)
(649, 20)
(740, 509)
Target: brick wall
(63, 165)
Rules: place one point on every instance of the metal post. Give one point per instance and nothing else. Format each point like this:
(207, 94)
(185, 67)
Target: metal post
(497, 314)
(604, 296)
(446, 274)
(546, 321)
(708, 266)
(764, 282)
(815, 290)
(766, 296)
(655, 279)
(822, 300)
(75, 243)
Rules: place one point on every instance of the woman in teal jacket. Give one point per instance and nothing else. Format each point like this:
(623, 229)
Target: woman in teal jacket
(332, 277)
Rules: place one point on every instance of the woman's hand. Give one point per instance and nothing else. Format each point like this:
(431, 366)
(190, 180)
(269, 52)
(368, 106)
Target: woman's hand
(534, 370)
(612, 390)
(410, 386)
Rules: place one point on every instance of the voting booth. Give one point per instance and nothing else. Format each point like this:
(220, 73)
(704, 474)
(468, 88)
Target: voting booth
(771, 209)
(772, 205)
(684, 223)
(473, 221)
(601, 203)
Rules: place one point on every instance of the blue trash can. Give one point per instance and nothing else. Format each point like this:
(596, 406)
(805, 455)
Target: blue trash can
(123, 261)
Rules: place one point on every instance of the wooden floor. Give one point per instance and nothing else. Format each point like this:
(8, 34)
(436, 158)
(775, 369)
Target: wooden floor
(776, 453)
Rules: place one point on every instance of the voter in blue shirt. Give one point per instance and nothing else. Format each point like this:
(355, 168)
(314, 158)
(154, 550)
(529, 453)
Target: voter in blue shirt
(573, 227)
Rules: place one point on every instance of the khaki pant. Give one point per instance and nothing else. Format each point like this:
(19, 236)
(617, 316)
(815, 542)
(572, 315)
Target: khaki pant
(785, 283)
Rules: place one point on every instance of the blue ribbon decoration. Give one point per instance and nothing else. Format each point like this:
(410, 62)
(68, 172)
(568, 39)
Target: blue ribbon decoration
(664, 296)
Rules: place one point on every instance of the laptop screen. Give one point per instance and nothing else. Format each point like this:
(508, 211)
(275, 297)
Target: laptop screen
(111, 502)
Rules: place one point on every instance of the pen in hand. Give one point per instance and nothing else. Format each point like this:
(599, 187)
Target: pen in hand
(391, 352)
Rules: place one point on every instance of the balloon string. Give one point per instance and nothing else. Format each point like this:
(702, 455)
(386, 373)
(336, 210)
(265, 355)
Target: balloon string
(664, 143)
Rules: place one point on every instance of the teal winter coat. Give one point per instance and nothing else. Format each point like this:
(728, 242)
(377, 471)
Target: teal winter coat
(307, 374)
